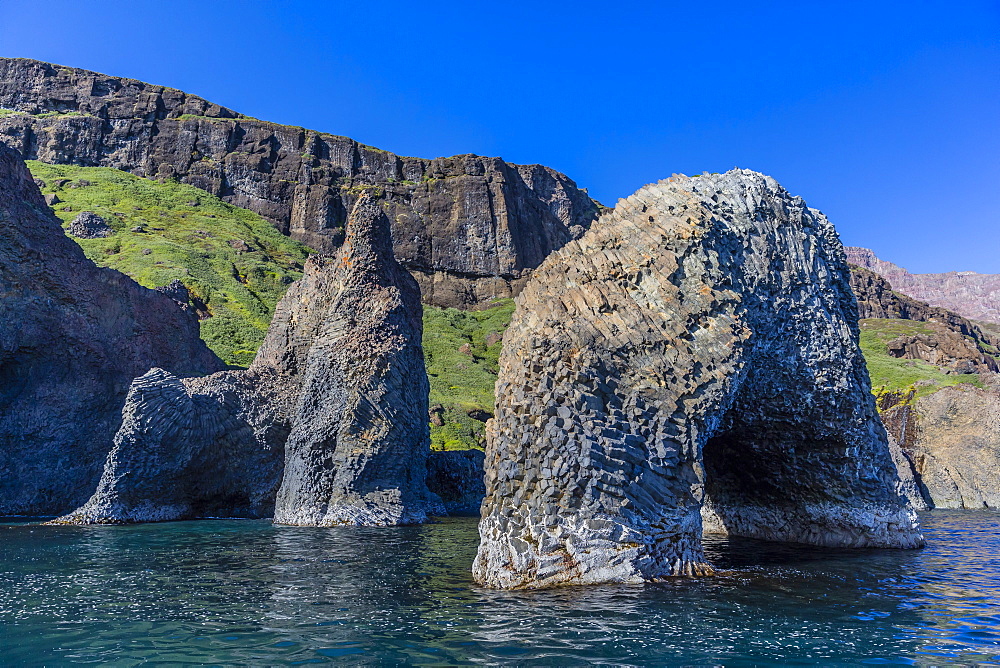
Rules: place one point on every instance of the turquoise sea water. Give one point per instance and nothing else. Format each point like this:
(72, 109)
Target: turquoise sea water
(245, 592)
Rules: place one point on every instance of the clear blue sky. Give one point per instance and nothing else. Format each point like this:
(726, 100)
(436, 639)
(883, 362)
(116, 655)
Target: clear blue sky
(885, 115)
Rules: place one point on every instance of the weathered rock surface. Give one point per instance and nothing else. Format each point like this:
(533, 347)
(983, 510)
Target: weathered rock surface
(73, 336)
(336, 398)
(469, 228)
(207, 447)
(967, 293)
(88, 225)
(695, 353)
(952, 438)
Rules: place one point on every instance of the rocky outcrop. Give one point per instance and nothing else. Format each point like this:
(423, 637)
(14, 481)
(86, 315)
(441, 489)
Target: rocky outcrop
(693, 355)
(944, 348)
(73, 336)
(207, 447)
(967, 293)
(88, 225)
(469, 228)
(336, 398)
(358, 447)
(952, 438)
(877, 299)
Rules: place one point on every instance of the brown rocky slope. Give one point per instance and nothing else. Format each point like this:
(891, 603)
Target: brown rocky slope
(967, 293)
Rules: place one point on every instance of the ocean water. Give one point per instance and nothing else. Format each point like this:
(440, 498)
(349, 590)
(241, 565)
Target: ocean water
(245, 592)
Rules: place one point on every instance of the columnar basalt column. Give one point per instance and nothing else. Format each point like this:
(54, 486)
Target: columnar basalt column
(693, 356)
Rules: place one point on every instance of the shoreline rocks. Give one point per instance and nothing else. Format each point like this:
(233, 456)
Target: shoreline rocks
(694, 353)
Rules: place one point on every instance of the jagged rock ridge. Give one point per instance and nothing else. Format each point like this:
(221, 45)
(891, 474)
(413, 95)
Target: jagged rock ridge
(694, 354)
(335, 401)
(73, 336)
(967, 293)
(469, 228)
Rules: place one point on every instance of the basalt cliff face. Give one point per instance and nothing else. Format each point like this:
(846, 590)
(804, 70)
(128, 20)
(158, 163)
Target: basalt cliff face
(73, 336)
(336, 399)
(690, 363)
(967, 293)
(469, 228)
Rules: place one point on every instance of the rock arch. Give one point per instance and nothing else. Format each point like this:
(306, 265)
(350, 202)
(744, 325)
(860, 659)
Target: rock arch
(694, 354)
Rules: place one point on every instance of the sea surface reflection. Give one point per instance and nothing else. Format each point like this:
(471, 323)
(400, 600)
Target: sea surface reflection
(245, 592)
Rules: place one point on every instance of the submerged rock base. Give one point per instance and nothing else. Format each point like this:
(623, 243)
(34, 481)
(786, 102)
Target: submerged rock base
(695, 352)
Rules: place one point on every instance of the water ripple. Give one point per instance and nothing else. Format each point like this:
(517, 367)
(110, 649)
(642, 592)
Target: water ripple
(232, 592)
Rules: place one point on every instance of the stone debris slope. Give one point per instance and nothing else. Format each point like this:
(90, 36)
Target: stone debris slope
(691, 362)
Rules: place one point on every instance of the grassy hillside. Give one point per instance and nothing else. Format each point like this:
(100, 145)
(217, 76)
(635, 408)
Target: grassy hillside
(889, 373)
(230, 259)
(462, 349)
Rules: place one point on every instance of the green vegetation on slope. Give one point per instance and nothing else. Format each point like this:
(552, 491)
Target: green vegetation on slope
(462, 350)
(891, 374)
(232, 260)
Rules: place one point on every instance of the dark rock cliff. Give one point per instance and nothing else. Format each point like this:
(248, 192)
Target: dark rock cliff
(336, 398)
(468, 228)
(73, 336)
(691, 363)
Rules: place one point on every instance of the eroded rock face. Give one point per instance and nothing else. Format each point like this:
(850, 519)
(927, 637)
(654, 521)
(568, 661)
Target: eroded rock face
(456, 476)
(73, 336)
(952, 439)
(338, 383)
(469, 228)
(694, 354)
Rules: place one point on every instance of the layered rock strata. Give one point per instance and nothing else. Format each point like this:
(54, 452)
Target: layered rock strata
(967, 293)
(694, 354)
(469, 228)
(73, 336)
(336, 398)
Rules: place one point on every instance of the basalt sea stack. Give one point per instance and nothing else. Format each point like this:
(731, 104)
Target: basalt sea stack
(690, 364)
(73, 336)
(339, 377)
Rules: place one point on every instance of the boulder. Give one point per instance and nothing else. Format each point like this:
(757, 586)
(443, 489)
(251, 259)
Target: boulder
(690, 364)
(73, 336)
(88, 225)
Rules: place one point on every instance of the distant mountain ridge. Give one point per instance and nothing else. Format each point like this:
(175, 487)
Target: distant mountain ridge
(968, 293)
(470, 229)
